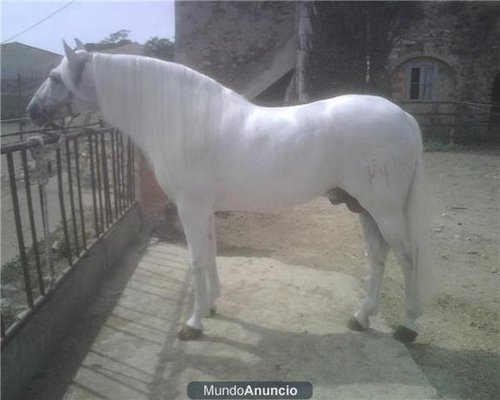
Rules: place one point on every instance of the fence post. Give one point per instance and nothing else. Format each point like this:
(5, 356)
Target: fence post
(19, 105)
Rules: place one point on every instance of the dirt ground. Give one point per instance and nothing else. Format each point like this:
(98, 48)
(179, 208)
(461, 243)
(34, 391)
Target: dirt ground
(459, 343)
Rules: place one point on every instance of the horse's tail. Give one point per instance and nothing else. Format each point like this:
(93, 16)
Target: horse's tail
(417, 216)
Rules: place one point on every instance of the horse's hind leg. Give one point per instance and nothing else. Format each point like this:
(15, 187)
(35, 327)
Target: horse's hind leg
(195, 218)
(211, 273)
(377, 249)
(394, 229)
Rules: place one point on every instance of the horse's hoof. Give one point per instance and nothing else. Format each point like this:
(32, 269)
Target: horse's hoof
(354, 325)
(189, 333)
(211, 312)
(404, 334)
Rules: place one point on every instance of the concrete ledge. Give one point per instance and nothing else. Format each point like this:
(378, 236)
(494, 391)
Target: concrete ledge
(26, 352)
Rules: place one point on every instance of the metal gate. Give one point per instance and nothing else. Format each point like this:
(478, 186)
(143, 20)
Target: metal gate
(60, 195)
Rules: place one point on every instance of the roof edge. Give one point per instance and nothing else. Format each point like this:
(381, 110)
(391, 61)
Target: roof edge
(32, 47)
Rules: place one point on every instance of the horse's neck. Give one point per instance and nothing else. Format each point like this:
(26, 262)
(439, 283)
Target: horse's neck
(131, 99)
(169, 112)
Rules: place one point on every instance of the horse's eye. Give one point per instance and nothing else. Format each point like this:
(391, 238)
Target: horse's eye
(55, 79)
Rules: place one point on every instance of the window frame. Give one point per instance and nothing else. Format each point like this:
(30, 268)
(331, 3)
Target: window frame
(422, 66)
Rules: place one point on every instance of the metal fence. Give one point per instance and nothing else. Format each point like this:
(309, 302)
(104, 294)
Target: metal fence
(58, 198)
(457, 121)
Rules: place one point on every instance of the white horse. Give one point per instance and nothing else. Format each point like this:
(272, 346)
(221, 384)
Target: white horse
(213, 150)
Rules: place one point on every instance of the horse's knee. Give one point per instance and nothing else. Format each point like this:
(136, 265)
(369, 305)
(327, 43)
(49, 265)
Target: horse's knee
(406, 255)
(197, 269)
(378, 256)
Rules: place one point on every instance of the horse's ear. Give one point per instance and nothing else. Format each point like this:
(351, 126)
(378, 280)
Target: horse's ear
(79, 44)
(70, 54)
(74, 59)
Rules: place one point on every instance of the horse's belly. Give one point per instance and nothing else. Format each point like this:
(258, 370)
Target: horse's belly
(252, 202)
(268, 194)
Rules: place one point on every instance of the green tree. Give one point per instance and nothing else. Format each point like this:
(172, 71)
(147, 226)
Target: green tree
(116, 39)
(161, 48)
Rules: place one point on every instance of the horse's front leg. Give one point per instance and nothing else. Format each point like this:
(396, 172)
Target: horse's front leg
(196, 218)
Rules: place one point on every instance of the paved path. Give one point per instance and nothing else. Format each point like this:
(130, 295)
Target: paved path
(275, 322)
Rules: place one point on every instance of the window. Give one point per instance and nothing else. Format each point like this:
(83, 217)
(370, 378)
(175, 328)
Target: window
(422, 82)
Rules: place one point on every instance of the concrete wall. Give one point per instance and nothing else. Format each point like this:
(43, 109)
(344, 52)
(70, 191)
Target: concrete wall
(25, 353)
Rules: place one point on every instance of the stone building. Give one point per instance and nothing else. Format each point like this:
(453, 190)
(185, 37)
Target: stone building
(420, 54)
(247, 46)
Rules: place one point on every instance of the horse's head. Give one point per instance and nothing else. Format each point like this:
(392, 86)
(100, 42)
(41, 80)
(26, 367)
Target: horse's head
(69, 89)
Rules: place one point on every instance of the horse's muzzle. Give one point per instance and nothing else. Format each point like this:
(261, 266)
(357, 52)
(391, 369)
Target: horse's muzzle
(37, 114)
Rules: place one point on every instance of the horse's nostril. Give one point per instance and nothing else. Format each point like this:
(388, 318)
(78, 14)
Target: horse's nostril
(35, 113)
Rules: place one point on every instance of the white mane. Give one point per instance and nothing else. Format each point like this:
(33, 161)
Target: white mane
(163, 106)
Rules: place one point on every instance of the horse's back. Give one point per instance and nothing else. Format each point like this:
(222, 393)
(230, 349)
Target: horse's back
(289, 155)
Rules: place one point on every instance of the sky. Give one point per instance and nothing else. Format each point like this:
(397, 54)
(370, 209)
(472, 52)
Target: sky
(89, 21)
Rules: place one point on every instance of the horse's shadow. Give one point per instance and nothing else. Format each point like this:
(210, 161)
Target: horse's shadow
(328, 361)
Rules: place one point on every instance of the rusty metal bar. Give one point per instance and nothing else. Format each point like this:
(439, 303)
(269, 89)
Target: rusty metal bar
(79, 187)
(99, 186)
(128, 171)
(119, 150)
(34, 239)
(93, 183)
(118, 174)
(61, 205)
(19, 230)
(122, 166)
(71, 197)
(19, 103)
(131, 182)
(46, 130)
(105, 178)
(133, 173)
(113, 167)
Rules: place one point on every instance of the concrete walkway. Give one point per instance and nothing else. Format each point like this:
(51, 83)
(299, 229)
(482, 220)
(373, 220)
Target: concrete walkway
(274, 322)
